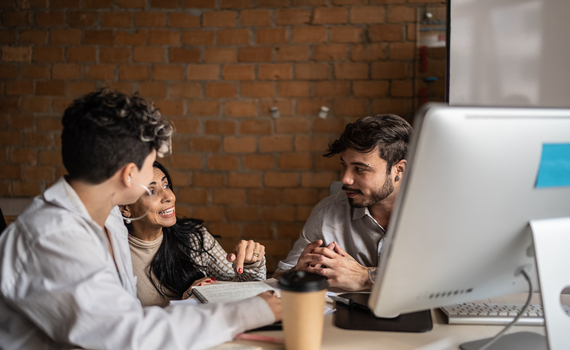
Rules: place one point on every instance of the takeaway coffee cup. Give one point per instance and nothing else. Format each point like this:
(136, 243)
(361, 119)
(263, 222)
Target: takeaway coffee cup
(303, 302)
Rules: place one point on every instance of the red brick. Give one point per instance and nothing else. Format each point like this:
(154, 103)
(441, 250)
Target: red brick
(312, 71)
(26, 188)
(133, 72)
(167, 72)
(368, 52)
(98, 37)
(38, 173)
(24, 54)
(17, 121)
(83, 19)
(255, 54)
(292, 53)
(271, 36)
(19, 87)
(255, 17)
(392, 105)
(114, 55)
(351, 70)
(281, 179)
(117, 19)
(205, 144)
(258, 162)
(100, 72)
(370, 88)
(201, 4)
(311, 106)
(24, 155)
(186, 161)
(273, 3)
(180, 55)
(275, 144)
(330, 15)
(80, 88)
(318, 179)
(292, 125)
(221, 90)
(401, 14)
(150, 19)
(240, 109)
(234, 36)
(294, 89)
(185, 90)
(9, 138)
(38, 139)
(289, 230)
(295, 161)
(220, 54)
(49, 123)
(292, 16)
(350, 107)
(149, 54)
(80, 54)
(192, 196)
(281, 71)
(238, 72)
(35, 104)
(265, 196)
(203, 108)
(168, 4)
(131, 38)
(386, 32)
(244, 180)
(325, 163)
(258, 231)
(183, 20)
(242, 213)
(309, 34)
(346, 34)
(50, 88)
(209, 213)
(389, 70)
(50, 19)
(60, 104)
(208, 180)
(219, 19)
(227, 4)
(131, 4)
(256, 127)
(220, 127)
(285, 107)
(164, 37)
(411, 30)
(402, 51)
(203, 72)
(65, 36)
(331, 89)
(367, 14)
(11, 171)
(382, 2)
(224, 230)
(170, 108)
(9, 104)
(300, 196)
(50, 158)
(97, 4)
(303, 212)
(16, 19)
(33, 37)
(305, 143)
(217, 162)
(401, 88)
(257, 89)
(8, 37)
(152, 89)
(336, 52)
(198, 37)
(186, 125)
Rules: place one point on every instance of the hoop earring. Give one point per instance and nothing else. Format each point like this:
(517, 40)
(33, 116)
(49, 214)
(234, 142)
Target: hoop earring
(129, 220)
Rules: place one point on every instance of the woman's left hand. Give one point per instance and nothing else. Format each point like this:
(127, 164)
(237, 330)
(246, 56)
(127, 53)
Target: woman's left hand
(246, 252)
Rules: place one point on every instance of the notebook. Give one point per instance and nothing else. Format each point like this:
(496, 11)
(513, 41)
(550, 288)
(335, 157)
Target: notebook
(225, 292)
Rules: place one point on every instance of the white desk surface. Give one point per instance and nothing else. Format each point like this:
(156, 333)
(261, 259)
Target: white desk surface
(442, 336)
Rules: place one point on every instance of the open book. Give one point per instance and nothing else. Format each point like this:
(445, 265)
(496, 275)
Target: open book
(224, 292)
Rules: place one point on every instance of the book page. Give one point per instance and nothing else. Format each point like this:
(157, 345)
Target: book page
(225, 292)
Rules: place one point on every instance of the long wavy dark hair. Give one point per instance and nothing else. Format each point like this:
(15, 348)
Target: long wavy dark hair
(172, 270)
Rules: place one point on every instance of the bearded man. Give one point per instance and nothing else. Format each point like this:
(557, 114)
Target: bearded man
(343, 237)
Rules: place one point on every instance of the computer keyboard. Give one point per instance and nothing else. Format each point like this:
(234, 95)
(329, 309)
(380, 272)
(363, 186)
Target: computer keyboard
(495, 314)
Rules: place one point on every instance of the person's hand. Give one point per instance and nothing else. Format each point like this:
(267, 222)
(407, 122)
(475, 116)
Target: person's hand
(308, 258)
(246, 252)
(273, 302)
(340, 268)
(201, 282)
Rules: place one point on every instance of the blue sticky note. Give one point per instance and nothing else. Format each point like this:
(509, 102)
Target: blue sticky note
(554, 170)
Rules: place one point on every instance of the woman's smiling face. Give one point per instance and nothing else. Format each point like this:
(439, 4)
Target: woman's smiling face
(162, 212)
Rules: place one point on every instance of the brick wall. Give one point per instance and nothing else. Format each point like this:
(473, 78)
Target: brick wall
(215, 68)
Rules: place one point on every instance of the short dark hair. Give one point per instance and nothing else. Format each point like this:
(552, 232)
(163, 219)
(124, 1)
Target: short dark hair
(389, 132)
(105, 129)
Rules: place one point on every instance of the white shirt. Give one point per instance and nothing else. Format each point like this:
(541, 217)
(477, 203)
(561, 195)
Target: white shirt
(59, 288)
(333, 219)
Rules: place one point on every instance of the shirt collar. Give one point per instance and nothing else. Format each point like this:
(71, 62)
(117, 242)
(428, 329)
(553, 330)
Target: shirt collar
(63, 195)
(359, 213)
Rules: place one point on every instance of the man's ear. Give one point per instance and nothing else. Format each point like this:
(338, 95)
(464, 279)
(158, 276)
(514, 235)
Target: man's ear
(399, 169)
(125, 210)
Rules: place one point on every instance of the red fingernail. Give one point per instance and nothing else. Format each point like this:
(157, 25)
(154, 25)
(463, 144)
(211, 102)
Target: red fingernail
(240, 270)
(200, 284)
(208, 281)
(213, 279)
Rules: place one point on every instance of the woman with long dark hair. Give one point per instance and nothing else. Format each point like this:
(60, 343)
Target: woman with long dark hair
(171, 255)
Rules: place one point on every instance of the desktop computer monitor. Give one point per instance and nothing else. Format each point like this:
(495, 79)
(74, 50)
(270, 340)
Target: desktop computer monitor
(460, 230)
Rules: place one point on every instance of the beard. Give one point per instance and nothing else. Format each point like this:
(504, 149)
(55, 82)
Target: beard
(376, 196)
